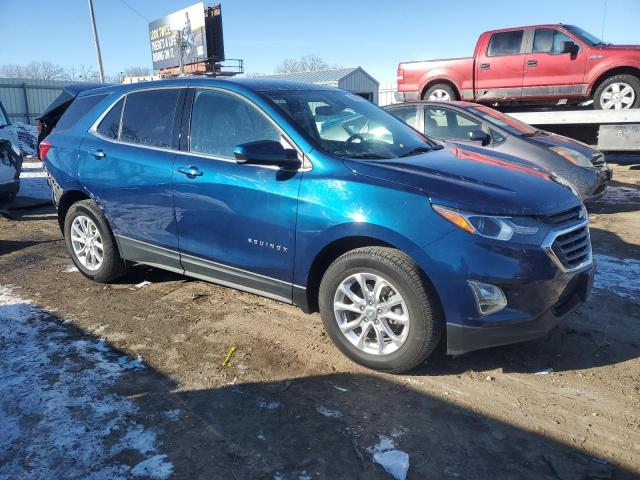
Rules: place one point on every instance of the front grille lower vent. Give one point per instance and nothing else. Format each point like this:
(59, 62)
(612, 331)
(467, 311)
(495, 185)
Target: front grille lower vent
(573, 249)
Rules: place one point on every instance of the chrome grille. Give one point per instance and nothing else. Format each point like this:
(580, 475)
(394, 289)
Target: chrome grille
(573, 248)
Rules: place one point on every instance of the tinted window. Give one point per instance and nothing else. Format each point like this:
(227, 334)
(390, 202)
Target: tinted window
(220, 121)
(76, 110)
(148, 117)
(549, 40)
(110, 124)
(407, 113)
(505, 43)
(444, 123)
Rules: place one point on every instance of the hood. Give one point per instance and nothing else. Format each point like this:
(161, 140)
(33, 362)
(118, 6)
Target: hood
(473, 181)
(619, 47)
(553, 140)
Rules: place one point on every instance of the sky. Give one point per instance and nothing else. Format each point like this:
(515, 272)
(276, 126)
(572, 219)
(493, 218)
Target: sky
(373, 34)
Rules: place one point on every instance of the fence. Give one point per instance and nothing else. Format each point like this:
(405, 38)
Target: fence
(25, 99)
(385, 94)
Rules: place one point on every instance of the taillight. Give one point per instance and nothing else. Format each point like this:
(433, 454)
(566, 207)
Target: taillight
(400, 74)
(43, 149)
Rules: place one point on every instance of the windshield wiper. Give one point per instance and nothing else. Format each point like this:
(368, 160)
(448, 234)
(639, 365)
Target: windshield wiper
(416, 151)
(367, 156)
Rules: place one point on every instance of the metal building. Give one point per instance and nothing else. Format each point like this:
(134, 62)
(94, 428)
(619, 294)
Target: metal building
(25, 99)
(353, 79)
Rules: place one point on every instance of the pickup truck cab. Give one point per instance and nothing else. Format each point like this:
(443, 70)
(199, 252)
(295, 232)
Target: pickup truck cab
(541, 63)
(314, 196)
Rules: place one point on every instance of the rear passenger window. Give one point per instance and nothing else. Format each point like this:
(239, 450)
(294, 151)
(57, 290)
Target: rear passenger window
(220, 121)
(76, 110)
(110, 124)
(408, 114)
(148, 117)
(505, 43)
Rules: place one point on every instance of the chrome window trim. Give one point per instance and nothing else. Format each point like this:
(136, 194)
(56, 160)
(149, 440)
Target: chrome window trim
(554, 234)
(93, 130)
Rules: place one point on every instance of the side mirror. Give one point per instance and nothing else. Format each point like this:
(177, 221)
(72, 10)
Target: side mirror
(570, 47)
(266, 152)
(480, 136)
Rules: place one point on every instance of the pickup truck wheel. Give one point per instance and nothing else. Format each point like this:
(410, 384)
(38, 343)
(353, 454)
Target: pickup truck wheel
(619, 92)
(91, 244)
(440, 92)
(378, 309)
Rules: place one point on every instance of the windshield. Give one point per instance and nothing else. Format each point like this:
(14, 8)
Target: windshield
(513, 126)
(347, 125)
(583, 35)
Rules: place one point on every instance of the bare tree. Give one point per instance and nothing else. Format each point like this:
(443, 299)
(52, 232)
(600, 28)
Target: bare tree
(306, 63)
(82, 73)
(137, 72)
(36, 70)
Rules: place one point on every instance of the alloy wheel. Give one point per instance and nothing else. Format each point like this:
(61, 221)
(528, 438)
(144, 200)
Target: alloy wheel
(617, 96)
(371, 313)
(87, 243)
(439, 95)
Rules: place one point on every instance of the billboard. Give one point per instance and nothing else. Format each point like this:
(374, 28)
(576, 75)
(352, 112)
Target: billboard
(186, 25)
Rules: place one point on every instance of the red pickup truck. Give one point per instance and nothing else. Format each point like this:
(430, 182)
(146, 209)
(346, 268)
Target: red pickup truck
(540, 63)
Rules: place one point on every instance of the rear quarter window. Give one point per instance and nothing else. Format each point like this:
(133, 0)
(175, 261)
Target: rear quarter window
(148, 117)
(78, 108)
(110, 124)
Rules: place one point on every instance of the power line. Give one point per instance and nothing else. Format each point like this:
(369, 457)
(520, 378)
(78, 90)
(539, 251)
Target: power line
(135, 11)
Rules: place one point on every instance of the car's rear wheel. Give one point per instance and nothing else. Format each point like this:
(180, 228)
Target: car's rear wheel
(440, 92)
(91, 244)
(619, 92)
(379, 309)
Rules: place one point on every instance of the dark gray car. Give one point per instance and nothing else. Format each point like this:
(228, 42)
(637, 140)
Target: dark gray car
(10, 161)
(466, 123)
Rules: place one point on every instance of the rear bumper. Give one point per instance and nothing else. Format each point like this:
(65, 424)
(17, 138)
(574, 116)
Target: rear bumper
(466, 338)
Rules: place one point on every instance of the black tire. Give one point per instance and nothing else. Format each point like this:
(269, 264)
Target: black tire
(113, 266)
(440, 86)
(632, 81)
(426, 324)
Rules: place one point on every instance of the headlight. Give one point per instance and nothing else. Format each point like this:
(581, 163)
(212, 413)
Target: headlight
(519, 229)
(573, 156)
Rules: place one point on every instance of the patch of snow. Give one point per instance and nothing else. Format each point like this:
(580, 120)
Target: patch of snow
(614, 194)
(143, 284)
(260, 436)
(327, 412)
(619, 276)
(395, 462)
(154, 467)
(33, 181)
(546, 371)
(70, 269)
(304, 476)
(58, 416)
(22, 136)
(340, 389)
(268, 405)
(279, 476)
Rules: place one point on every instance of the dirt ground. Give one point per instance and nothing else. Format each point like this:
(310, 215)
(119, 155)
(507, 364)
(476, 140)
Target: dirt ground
(290, 406)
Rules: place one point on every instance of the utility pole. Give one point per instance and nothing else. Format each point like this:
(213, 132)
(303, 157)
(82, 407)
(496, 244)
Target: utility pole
(604, 17)
(95, 40)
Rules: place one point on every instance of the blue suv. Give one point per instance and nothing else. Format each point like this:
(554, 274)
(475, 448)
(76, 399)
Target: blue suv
(314, 196)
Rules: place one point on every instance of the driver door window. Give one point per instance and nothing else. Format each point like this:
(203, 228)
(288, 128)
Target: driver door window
(220, 122)
(446, 124)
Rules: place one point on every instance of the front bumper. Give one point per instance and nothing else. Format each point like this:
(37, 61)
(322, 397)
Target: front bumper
(604, 177)
(465, 338)
(9, 188)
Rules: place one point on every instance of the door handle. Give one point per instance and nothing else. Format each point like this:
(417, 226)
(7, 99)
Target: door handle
(485, 66)
(98, 154)
(532, 63)
(190, 171)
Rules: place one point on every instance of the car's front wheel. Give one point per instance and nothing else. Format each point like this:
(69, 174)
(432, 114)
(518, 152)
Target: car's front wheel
(91, 244)
(379, 309)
